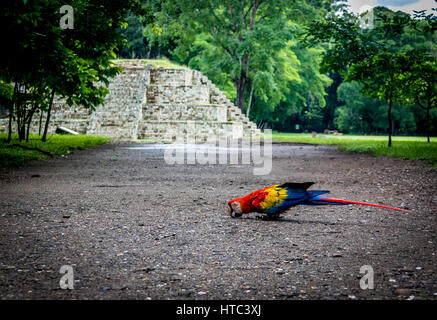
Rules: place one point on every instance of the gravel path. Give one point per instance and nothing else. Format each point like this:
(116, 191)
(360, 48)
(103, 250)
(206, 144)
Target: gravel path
(133, 227)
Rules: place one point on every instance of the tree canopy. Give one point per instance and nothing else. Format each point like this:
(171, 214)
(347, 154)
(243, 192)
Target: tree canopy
(45, 59)
(291, 65)
(387, 59)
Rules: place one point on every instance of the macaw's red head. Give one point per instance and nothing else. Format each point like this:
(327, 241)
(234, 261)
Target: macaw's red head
(237, 207)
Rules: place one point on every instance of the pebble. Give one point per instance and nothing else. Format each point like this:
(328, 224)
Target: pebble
(402, 292)
(280, 271)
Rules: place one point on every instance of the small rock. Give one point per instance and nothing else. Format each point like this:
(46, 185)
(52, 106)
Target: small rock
(119, 287)
(402, 292)
(337, 255)
(175, 277)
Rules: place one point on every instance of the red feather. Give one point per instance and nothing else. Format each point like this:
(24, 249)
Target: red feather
(361, 203)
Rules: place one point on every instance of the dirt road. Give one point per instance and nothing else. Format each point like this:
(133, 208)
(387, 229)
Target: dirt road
(133, 227)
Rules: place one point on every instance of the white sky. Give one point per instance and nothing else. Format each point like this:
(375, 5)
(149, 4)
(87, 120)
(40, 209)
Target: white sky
(408, 6)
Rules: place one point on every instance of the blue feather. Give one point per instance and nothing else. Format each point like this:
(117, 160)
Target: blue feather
(295, 197)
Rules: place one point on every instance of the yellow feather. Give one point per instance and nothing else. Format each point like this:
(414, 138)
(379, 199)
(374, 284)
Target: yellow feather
(275, 196)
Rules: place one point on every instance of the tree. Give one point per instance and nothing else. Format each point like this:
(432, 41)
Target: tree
(43, 59)
(421, 77)
(332, 100)
(374, 57)
(303, 94)
(361, 114)
(244, 35)
(137, 19)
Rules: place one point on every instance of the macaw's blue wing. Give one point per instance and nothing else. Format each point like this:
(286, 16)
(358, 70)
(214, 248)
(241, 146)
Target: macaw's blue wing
(279, 198)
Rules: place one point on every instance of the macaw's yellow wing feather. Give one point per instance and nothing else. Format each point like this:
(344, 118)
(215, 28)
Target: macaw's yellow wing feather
(268, 198)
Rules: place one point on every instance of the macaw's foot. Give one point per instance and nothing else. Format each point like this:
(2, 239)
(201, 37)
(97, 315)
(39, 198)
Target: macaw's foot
(269, 217)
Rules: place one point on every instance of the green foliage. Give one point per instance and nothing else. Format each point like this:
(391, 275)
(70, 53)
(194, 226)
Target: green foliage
(6, 94)
(303, 100)
(361, 114)
(235, 43)
(388, 59)
(42, 59)
(135, 46)
(55, 144)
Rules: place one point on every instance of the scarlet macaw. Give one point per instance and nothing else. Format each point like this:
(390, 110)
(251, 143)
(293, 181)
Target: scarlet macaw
(277, 199)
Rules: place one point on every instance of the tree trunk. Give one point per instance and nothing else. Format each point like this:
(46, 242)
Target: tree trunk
(40, 122)
(428, 120)
(21, 113)
(20, 125)
(390, 124)
(46, 127)
(11, 111)
(29, 120)
(426, 107)
(240, 85)
(22, 133)
(250, 101)
(428, 123)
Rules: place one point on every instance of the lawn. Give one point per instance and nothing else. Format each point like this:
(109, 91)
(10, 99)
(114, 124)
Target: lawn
(404, 147)
(12, 156)
(162, 62)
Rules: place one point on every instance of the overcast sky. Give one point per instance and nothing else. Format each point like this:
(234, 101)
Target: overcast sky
(404, 5)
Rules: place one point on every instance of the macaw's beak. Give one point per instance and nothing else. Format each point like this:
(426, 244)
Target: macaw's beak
(232, 213)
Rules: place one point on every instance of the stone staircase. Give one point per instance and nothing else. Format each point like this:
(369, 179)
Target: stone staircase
(183, 102)
(119, 116)
(158, 104)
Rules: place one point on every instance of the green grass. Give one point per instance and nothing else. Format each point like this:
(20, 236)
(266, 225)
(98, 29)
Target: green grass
(404, 147)
(162, 62)
(55, 144)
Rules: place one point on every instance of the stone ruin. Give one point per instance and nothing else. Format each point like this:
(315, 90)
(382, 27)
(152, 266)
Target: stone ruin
(155, 103)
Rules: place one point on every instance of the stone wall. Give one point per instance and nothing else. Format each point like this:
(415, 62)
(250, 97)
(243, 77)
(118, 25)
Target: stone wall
(166, 112)
(76, 118)
(160, 104)
(119, 116)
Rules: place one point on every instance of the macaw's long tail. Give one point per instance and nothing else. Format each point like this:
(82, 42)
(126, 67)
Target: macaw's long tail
(323, 200)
